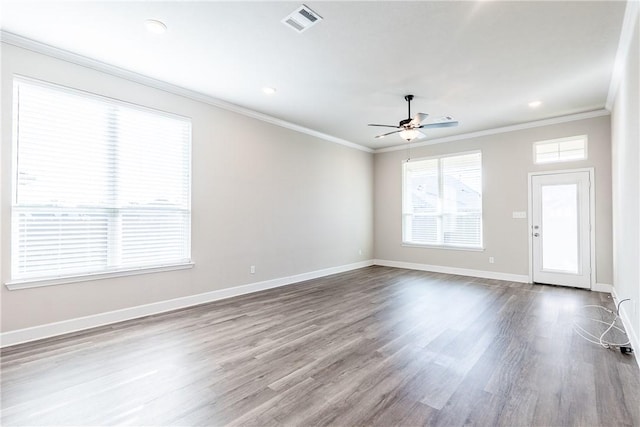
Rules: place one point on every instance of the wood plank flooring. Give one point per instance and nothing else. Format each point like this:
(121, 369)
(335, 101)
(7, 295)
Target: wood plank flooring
(377, 346)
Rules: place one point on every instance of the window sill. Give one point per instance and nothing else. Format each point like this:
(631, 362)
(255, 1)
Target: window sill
(51, 281)
(451, 248)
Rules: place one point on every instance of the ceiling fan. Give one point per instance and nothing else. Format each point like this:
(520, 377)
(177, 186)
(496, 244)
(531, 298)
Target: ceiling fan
(408, 128)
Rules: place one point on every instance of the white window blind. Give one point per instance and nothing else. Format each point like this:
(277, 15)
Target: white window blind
(442, 201)
(561, 150)
(100, 185)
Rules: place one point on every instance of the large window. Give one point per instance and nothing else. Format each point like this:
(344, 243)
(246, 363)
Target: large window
(100, 186)
(442, 201)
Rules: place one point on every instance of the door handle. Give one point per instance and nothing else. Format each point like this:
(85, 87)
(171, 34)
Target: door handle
(536, 234)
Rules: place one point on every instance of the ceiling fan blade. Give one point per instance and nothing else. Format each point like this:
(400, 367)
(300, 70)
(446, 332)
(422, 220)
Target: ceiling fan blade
(388, 133)
(384, 126)
(418, 118)
(438, 125)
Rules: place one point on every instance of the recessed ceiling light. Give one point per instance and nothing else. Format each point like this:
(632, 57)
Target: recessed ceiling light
(154, 26)
(269, 90)
(535, 104)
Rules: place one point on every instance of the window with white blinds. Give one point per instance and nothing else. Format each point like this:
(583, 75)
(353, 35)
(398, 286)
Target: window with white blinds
(99, 185)
(442, 201)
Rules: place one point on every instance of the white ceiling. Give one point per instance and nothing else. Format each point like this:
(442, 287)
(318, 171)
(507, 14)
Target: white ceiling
(480, 62)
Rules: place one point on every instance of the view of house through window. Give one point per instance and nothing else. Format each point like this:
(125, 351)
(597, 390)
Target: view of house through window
(99, 185)
(442, 201)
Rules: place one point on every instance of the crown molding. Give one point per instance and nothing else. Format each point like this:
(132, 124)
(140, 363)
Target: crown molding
(74, 58)
(48, 50)
(631, 16)
(521, 126)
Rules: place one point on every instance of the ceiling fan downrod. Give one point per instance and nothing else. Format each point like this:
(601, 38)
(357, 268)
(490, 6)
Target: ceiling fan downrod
(408, 98)
(404, 123)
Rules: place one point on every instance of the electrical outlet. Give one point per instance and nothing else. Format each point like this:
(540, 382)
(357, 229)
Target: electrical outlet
(491, 260)
(359, 251)
(252, 269)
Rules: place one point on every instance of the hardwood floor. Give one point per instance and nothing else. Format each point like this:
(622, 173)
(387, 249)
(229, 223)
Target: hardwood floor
(376, 346)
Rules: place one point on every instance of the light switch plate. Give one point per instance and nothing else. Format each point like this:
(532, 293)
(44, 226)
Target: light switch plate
(519, 214)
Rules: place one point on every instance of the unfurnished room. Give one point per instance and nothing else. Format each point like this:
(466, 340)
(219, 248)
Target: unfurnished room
(330, 213)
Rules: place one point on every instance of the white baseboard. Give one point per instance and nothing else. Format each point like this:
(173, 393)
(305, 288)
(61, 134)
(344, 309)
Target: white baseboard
(81, 323)
(628, 326)
(521, 278)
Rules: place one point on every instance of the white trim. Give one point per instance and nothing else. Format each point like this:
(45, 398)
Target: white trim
(54, 52)
(521, 126)
(602, 287)
(630, 18)
(44, 49)
(442, 156)
(51, 281)
(628, 326)
(450, 248)
(81, 323)
(496, 275)
(85, 94)
(592, 218)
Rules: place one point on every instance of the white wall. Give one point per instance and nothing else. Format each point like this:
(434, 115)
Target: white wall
(625, 127)
(263, 195)
(507, 159)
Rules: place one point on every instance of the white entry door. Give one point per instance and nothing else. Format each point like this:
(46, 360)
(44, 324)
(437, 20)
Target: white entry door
(560, 229)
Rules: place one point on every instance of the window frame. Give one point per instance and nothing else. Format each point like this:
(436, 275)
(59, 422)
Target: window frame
(584, 138)
(441, 213)
(52, 278)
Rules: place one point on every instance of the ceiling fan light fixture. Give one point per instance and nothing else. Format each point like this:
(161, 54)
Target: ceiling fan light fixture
(409, 134)
(408, 128)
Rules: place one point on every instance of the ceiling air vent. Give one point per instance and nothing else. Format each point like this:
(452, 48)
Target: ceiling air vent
(302, 19)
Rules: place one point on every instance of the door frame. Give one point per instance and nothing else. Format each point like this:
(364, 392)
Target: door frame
(592, 217)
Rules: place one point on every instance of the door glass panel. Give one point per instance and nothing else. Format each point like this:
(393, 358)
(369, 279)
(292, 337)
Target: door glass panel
(560, 228)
